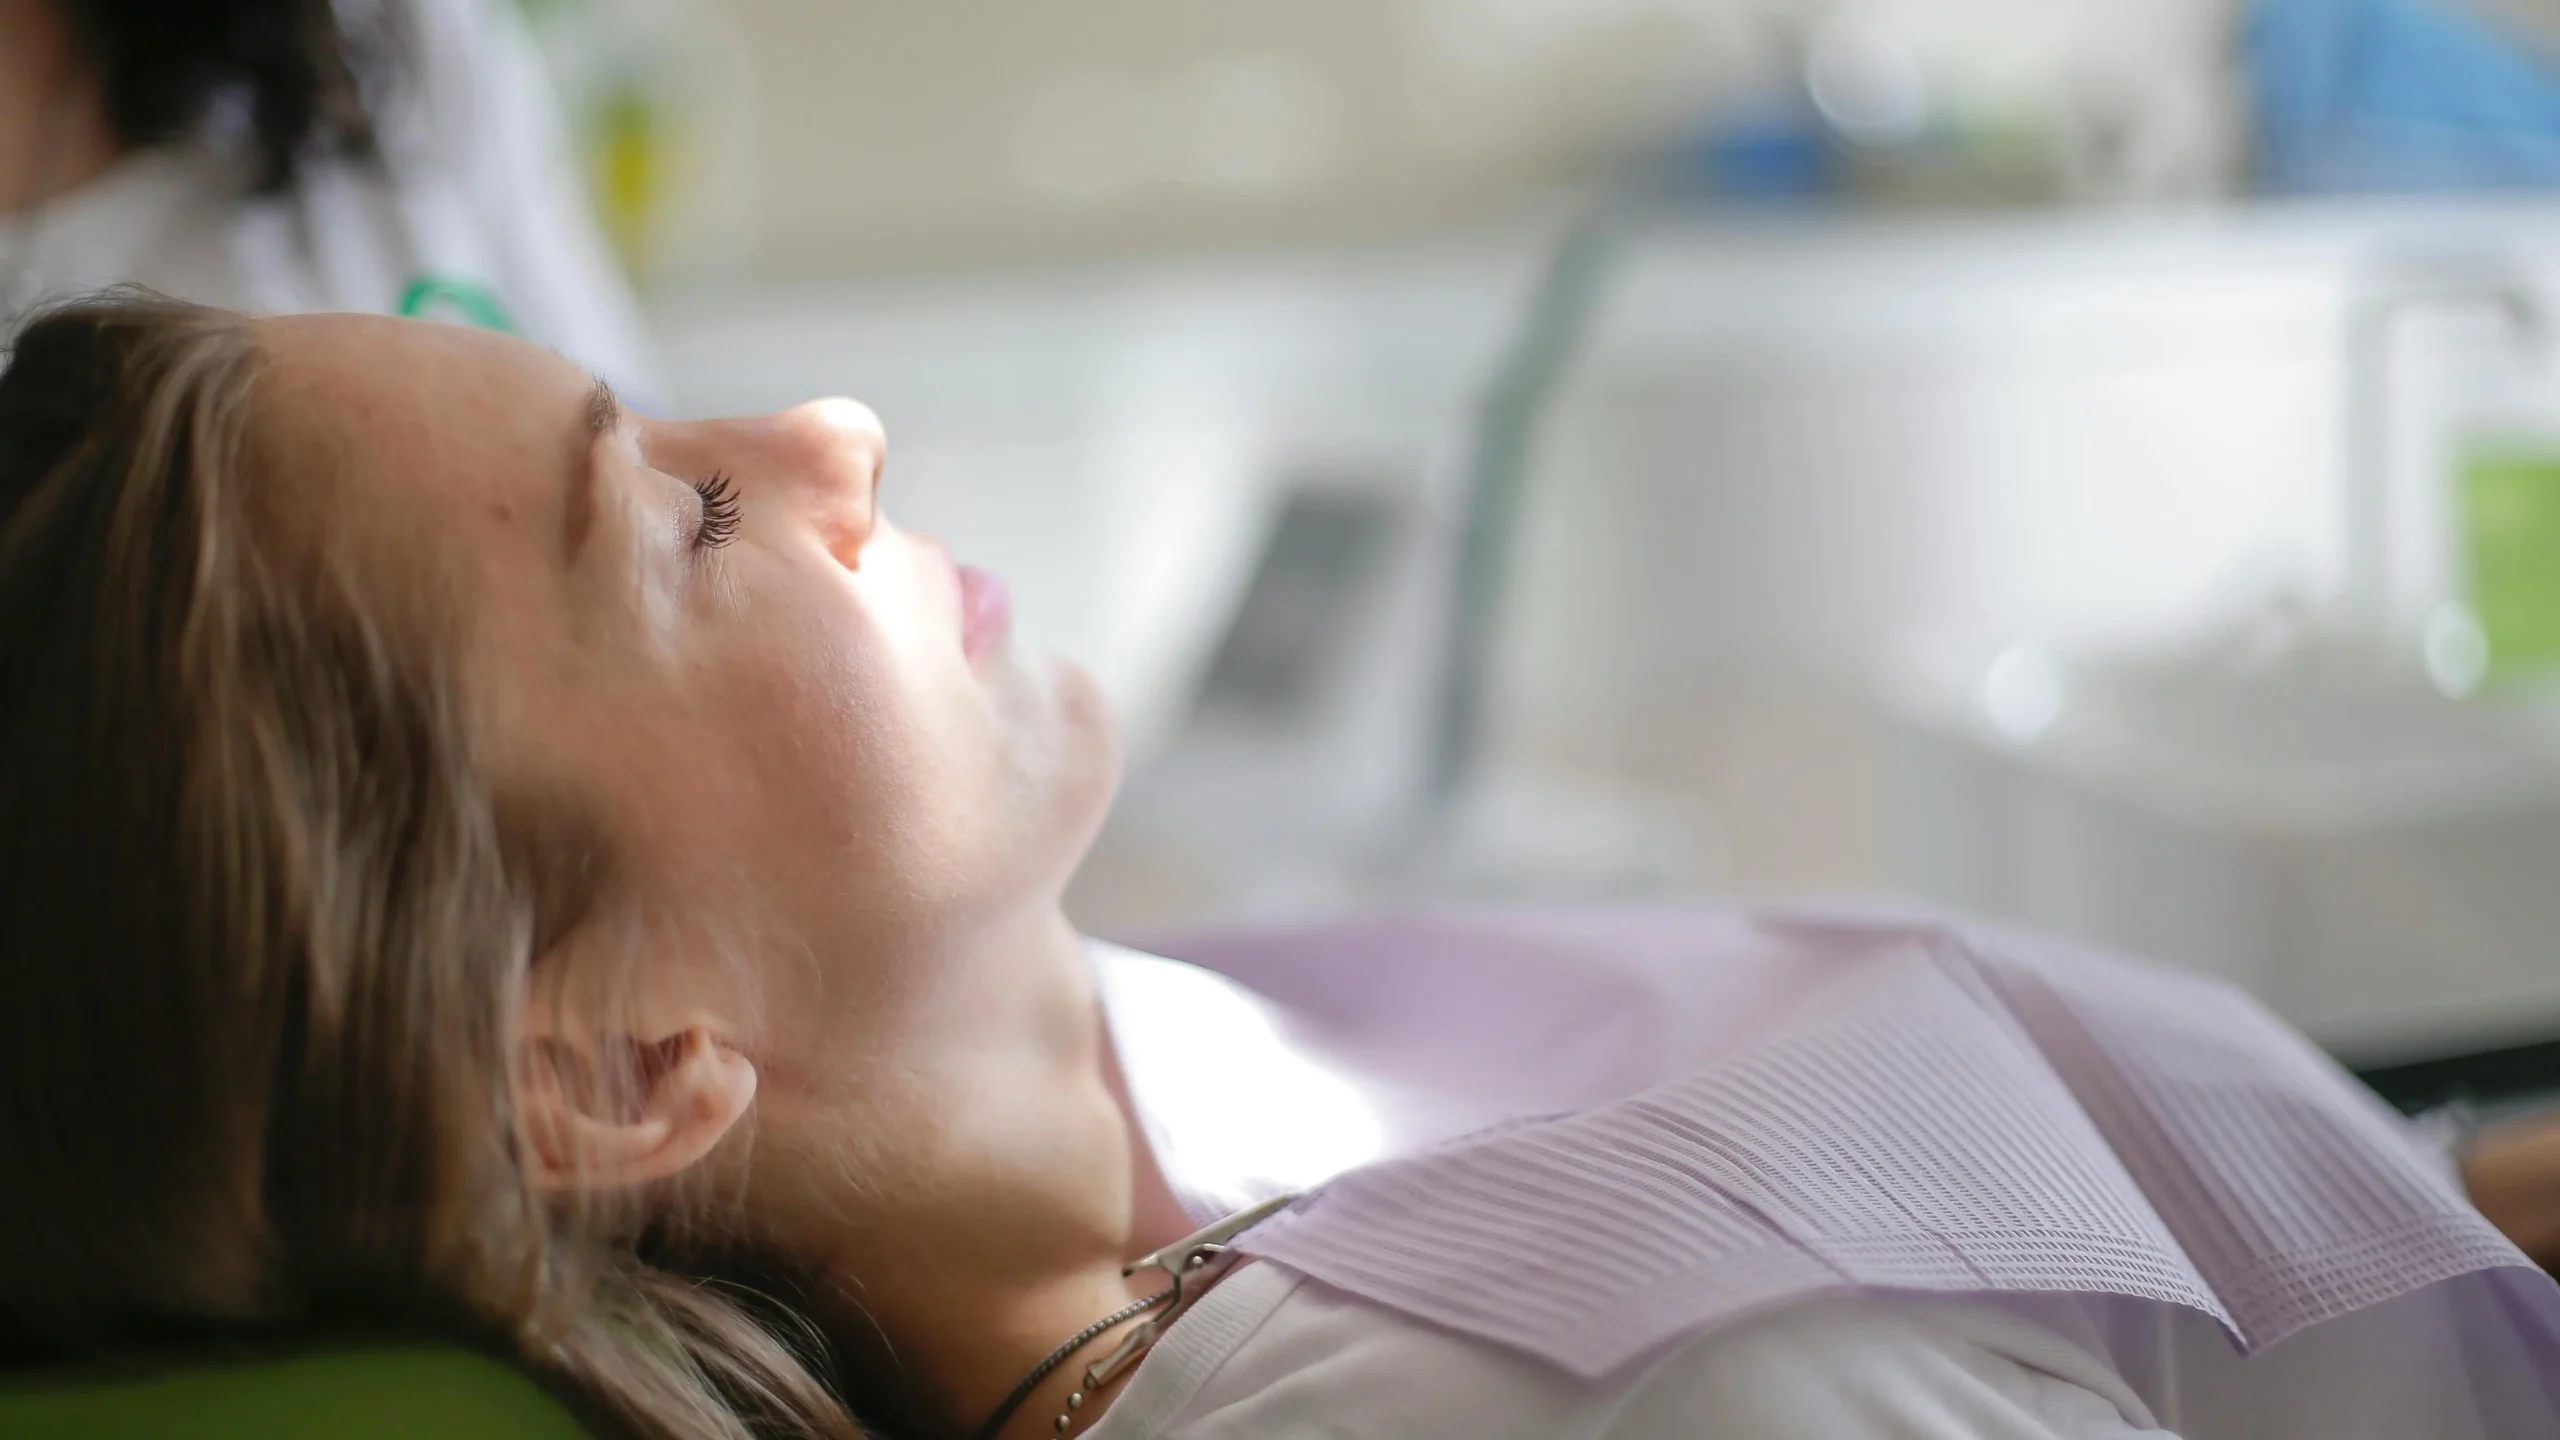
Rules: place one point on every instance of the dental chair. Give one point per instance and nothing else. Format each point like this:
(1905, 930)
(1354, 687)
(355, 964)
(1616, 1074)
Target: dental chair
(382, 1392)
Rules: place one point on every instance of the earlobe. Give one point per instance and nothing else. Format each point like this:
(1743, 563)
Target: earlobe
(650, 1111)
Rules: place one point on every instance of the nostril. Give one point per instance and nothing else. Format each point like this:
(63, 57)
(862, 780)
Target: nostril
(844, 540)
(839, 451)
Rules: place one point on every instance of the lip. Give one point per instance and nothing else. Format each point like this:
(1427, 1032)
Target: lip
(986, 612)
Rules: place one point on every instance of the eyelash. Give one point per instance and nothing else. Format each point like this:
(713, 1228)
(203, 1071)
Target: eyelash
(720, 512)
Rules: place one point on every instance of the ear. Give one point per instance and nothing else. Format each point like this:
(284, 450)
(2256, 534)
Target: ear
(615, 1112)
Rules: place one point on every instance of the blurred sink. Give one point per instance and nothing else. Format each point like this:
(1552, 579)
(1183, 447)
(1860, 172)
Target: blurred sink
(2380, 864)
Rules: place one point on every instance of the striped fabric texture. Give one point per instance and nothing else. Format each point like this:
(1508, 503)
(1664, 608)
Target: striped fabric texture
(1750, 1109)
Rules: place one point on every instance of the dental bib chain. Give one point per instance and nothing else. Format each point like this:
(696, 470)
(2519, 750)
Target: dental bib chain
(1193, 1263)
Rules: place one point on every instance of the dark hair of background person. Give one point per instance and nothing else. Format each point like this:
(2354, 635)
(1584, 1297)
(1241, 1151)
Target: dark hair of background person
(264, 919)
(290, 66)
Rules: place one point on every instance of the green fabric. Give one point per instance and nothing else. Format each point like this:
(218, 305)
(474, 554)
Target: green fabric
(403, 1393)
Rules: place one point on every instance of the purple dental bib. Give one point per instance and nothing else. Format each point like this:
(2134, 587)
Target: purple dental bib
(1641, 1125)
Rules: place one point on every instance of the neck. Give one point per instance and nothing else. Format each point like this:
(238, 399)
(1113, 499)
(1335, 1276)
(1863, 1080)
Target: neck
(54, 135)
(1045, 1189)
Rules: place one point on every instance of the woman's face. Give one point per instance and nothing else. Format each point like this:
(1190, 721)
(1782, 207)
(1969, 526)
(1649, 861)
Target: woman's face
(801, 730)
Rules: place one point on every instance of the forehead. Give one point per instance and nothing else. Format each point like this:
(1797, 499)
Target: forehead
(412, 408)
(428, 464)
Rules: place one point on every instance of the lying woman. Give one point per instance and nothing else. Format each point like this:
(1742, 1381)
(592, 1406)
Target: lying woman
(480, 861)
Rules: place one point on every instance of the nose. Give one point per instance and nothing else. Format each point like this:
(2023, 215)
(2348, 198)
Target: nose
(835, 450)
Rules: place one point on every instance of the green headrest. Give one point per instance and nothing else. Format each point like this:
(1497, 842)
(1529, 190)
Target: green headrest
(408, 1392)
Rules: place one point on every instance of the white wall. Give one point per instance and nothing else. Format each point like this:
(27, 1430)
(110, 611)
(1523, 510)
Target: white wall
(958, 130)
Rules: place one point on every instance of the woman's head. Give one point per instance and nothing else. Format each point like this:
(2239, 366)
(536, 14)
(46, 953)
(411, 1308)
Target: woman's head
(442, 812)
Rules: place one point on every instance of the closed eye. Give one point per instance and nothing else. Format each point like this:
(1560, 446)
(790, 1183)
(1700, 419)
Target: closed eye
(719, 515)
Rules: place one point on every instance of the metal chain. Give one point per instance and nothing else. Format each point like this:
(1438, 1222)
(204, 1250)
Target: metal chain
(1201, 1257)
(1060, 1356)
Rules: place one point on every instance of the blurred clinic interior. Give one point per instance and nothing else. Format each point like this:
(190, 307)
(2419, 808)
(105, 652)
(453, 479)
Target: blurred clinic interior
(2089, 462)
(2083, 461)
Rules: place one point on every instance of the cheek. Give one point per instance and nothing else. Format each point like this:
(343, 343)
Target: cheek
(833, 771)
(865, 769)
(870, 787)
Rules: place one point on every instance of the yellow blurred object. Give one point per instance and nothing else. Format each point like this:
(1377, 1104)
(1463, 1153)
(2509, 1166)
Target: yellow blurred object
(658, 102)
(629, 172)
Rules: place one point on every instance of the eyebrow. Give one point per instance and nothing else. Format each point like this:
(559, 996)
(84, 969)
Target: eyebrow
(602, 416)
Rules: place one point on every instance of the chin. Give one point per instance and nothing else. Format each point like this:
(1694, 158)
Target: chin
(1065, 745)
(1089, 776)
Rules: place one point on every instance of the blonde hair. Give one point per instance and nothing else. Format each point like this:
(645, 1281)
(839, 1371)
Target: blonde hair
(262, 923)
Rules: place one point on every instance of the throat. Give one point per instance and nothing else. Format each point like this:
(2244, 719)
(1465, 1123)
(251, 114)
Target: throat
(1008, 1213)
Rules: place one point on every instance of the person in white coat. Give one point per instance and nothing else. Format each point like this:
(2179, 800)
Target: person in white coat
(404, 157)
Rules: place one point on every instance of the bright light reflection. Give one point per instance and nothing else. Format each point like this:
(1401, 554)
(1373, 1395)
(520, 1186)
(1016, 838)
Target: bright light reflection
(2456, 652)
(2022, 694)
(1239, 1113)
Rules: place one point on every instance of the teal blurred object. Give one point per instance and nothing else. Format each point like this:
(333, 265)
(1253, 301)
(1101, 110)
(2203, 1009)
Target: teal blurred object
(403, 1392)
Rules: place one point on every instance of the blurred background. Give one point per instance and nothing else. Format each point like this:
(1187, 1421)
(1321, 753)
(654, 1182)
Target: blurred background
(2092, 462)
